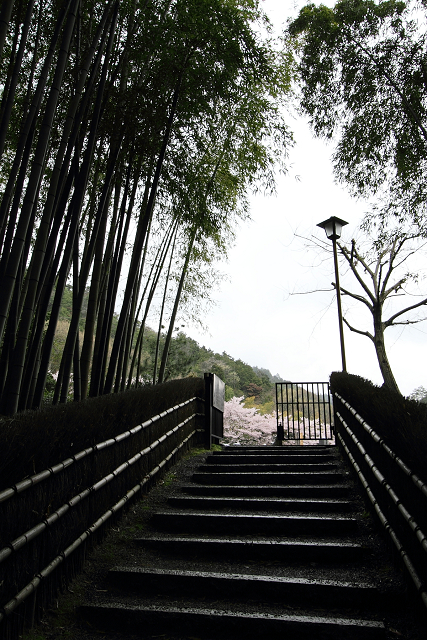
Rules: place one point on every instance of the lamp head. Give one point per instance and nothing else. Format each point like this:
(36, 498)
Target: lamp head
(333, 227)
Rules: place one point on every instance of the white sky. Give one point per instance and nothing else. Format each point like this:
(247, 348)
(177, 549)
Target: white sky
(257, 320)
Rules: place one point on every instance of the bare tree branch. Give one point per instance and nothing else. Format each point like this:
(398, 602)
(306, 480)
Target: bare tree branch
(390, 321)
(398, 285)
(345, 253)
(362, 333)
(304, 293)
(356, 297)
(409, 322)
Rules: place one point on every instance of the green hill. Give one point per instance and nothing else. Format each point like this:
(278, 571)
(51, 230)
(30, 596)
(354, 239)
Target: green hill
(186, 358)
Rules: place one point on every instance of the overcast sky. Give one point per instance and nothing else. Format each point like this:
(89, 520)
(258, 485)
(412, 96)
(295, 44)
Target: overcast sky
(258, 320)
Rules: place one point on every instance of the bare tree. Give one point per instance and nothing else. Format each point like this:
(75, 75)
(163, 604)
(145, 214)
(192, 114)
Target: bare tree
(381, 274)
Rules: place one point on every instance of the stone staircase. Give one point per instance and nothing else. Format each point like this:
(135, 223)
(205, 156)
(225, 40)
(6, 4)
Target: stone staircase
(264, 541)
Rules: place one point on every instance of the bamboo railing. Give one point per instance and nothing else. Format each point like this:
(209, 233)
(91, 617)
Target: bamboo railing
(49, 519)
(397, 495)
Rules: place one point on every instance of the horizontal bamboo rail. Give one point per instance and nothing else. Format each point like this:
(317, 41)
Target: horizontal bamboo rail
(381, 490)
(46, 571)
(111, 489)
(26, 537)
(422, 486)
(19, 487)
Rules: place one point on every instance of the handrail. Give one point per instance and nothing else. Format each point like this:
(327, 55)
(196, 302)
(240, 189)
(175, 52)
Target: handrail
(35, 531)
(382, 480)
(402, 552)
(10, 606)
(393, 496)
(422, 486)
(23, 485)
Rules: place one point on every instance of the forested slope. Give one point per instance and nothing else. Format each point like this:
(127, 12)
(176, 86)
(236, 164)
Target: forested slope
(185, 358)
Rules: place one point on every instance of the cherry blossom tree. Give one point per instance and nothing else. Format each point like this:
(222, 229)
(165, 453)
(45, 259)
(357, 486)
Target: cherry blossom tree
(246, 426)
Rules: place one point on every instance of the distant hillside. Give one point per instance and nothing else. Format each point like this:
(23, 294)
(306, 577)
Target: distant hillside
(186, 358)
(265, 372)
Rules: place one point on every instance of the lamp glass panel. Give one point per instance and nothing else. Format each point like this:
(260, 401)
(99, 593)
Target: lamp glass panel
(329, 228)
(338, 228)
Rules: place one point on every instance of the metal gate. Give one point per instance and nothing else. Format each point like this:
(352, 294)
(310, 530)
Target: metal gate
(304, 412)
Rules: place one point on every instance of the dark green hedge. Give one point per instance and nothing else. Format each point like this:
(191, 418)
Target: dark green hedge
(35, 440)
(401, 422)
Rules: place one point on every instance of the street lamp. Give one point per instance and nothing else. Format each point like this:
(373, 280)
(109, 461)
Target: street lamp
(333, 228)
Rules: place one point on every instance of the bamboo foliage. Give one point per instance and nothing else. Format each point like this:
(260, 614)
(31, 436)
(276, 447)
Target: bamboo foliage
(124, 125)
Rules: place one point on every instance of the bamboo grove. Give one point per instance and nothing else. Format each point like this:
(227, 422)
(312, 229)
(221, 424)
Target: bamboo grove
(131, 133)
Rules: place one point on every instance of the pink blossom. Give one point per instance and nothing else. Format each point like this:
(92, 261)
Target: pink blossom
(245, 426)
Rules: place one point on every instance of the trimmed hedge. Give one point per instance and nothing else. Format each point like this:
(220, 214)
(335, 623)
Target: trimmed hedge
(35, 440)
(401, 422)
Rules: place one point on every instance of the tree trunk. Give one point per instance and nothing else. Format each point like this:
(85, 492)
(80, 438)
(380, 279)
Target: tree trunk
(7, 110)
(28, 126)
(383, 362)
(6, 12)
(98, 285)
(98, 234)
(105, 320)
(154, 276)
(156, 356)
(175, 307)
(8, 230)
(31, 193)
(139, 243)
(40, 350)
(76, 300)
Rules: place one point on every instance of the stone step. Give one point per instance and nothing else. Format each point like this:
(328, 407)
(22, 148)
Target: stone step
(249, 458)
(279, 525)
(283, 478)
(243, 587)
(219, 622)
(245, 467)
(291, 450)
(265, 491)
(279, 450)
(260, 504)
(250, 555)
(284, 551)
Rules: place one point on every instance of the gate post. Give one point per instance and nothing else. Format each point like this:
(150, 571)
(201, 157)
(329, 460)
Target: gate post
(214, 408)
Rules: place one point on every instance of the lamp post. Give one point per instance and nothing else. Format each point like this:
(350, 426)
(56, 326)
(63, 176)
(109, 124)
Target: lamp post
(333, 228)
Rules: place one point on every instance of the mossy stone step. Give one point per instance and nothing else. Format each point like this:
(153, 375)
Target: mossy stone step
(261, 504)
(278, 525)
(215, 622)
(285, 551)
(263, 491)
(267, 477)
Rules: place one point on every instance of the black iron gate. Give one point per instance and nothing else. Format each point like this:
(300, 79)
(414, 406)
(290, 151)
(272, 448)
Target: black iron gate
(304, 412)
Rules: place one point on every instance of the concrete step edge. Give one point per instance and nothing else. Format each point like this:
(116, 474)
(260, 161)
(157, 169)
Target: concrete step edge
(291, 543)
(244, 587)
(252, 517)
(206, 621)
(267, 477)
(194, 522)
(281, 467)
(246, 489)
(261, 504)
(231, 577)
